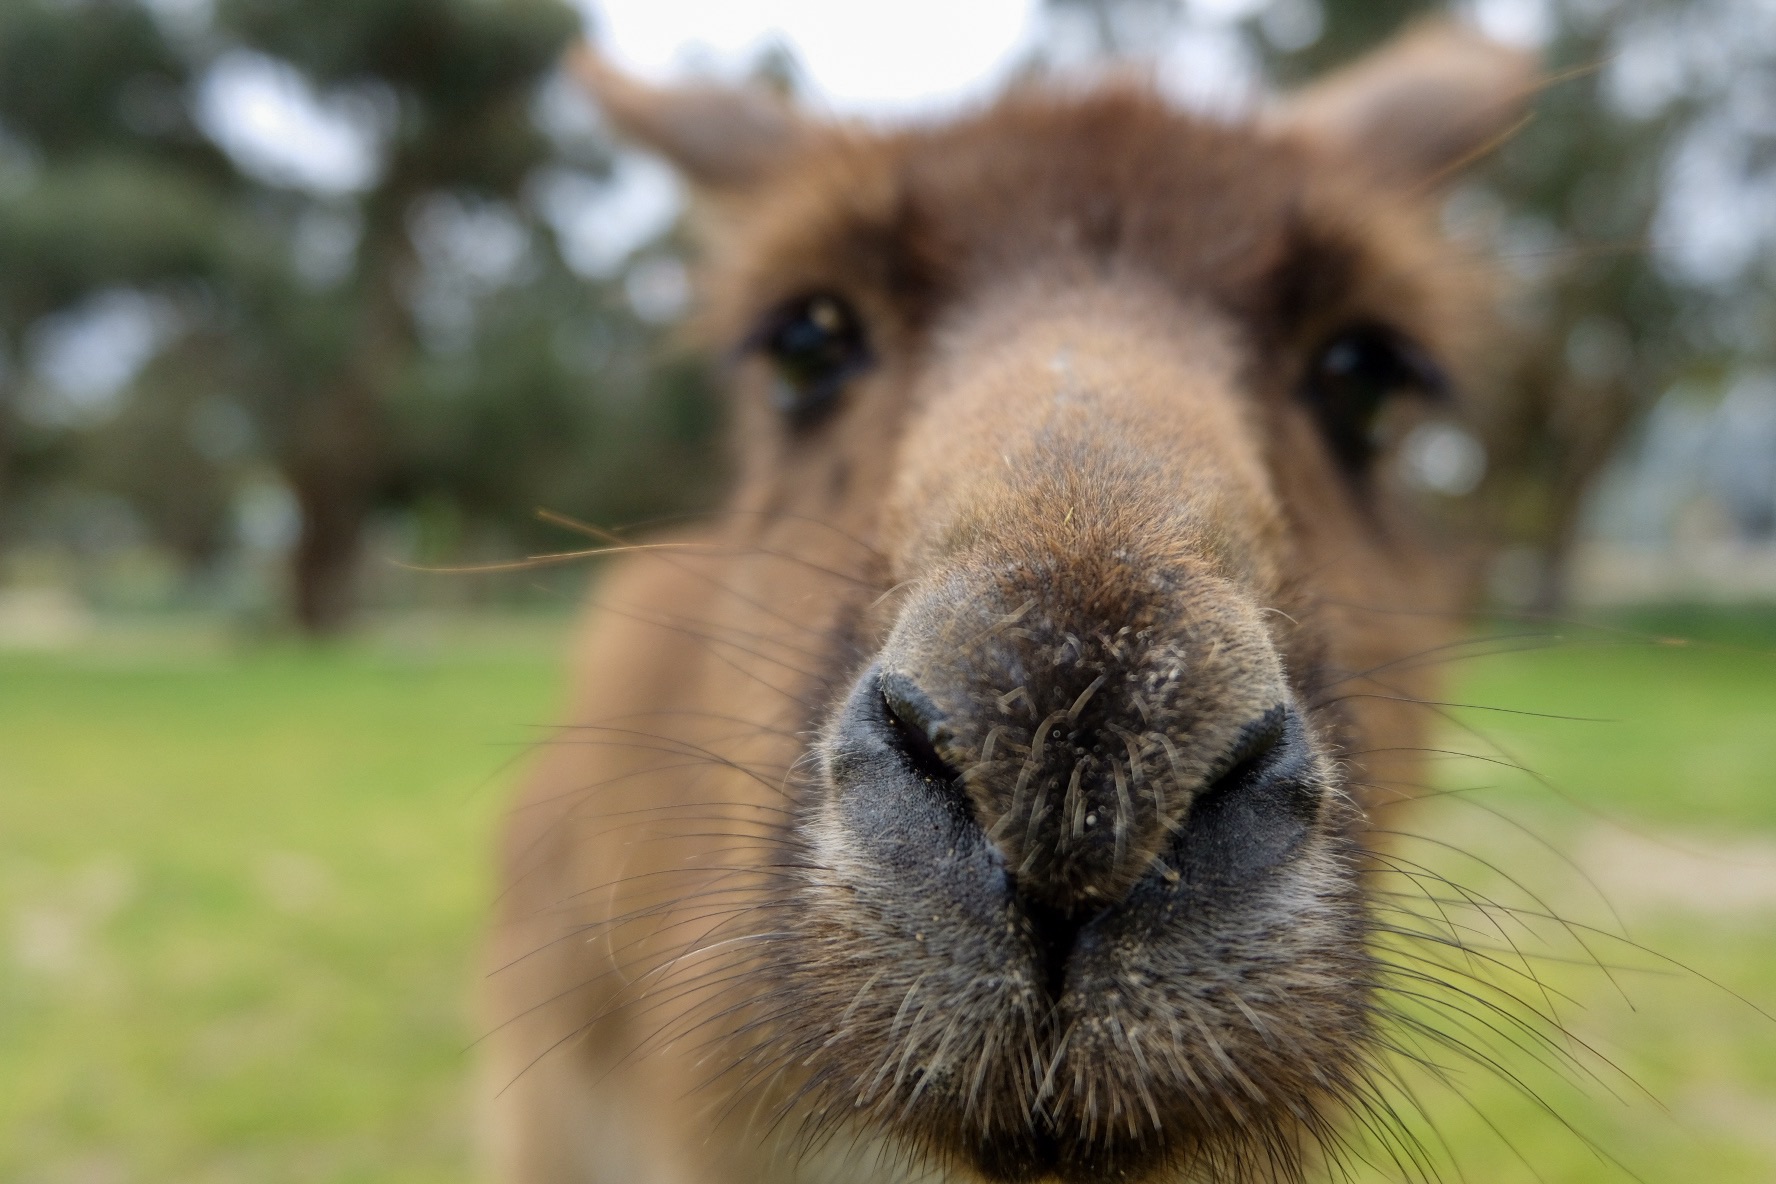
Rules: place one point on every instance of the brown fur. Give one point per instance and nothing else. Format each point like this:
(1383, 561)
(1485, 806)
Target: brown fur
(1076, 502)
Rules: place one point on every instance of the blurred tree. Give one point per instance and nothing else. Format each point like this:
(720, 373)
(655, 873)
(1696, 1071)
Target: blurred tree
(405, 333)
(103, 182)
(457, 79)
(169, 451)
(1599, 329)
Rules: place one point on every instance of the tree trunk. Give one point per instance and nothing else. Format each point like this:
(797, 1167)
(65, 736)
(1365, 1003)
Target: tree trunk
(334, 472)
(338, 453)
(1550, 436)
(324, 567)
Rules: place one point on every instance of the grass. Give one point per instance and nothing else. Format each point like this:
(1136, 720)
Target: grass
(240, 891)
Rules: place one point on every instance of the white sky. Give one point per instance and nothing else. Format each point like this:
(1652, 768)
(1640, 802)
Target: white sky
(265, 114)
(878, 56)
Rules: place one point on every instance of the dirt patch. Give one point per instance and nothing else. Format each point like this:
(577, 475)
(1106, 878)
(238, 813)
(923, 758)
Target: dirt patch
(1681, 872)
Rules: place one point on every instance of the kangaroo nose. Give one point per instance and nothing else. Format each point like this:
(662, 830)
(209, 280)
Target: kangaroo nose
(1081, 806)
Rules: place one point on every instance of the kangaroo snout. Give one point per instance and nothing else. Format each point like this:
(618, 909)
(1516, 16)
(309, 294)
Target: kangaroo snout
(1056, 798)
(1087, 818)
(1086, 749)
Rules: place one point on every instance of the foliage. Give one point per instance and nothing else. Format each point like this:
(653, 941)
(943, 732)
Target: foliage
(358, 330)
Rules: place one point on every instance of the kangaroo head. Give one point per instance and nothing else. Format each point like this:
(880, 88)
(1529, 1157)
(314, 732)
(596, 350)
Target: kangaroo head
(1071, 546)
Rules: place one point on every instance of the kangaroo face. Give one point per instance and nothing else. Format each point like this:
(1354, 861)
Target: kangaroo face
(1068, 501)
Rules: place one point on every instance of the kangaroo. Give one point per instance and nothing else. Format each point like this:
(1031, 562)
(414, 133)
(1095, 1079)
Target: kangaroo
(985, 795)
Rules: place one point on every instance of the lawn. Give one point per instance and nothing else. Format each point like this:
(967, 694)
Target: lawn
(240, 888)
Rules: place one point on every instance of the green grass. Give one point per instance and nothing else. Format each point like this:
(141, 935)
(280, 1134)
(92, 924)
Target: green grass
(240, 891)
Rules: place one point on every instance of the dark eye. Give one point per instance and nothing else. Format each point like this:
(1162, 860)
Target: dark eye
(1352, 379)
(816, 344)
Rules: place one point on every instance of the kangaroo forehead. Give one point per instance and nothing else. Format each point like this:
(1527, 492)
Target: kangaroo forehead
(1263, 225)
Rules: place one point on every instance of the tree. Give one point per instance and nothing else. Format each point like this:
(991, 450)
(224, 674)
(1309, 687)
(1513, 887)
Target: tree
(397, 374)
(458, 78)
(107, 184)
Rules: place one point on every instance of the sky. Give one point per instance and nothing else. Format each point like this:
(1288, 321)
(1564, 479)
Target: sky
(873, 58)
(895, 58)
(858, 56)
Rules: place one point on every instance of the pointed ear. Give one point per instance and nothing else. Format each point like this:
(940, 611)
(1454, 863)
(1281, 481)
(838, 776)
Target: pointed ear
(1420, 107)
(719, 137)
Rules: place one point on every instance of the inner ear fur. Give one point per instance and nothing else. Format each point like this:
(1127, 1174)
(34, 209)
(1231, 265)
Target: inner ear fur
(719, 137)
(1419, 108)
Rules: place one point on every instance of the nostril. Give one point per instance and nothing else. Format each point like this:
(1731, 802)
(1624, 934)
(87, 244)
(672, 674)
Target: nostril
(1260, 808)
(1258, 744)
(917, 727)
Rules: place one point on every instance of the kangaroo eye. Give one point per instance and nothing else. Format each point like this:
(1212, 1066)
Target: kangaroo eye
(1351, 381)
(816, 344)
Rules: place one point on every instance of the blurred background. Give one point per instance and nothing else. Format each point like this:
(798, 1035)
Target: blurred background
(301, 298)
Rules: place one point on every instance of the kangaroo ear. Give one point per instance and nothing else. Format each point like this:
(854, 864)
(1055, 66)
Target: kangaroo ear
(1420, 107)
(719, 137)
